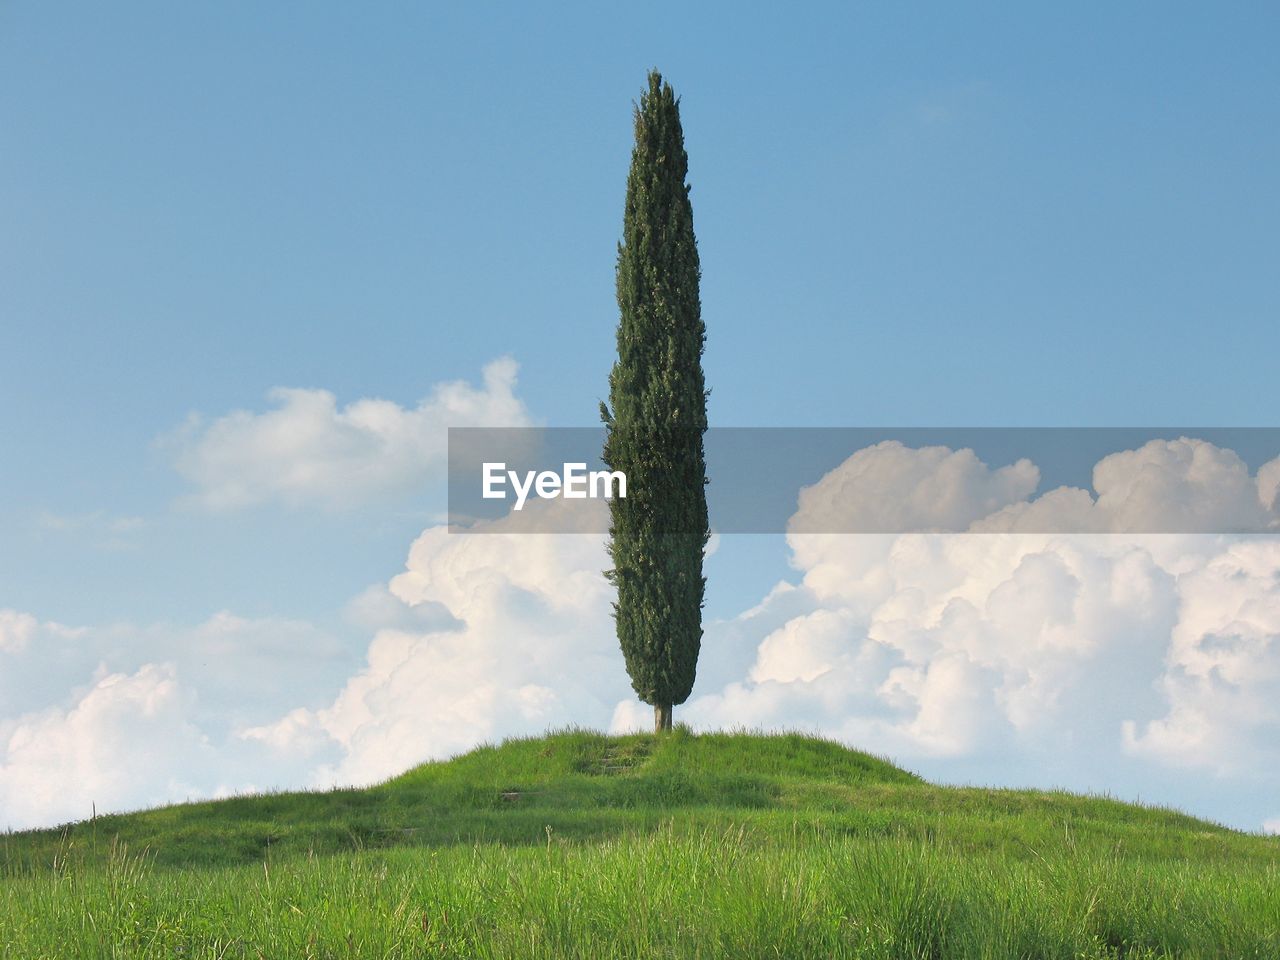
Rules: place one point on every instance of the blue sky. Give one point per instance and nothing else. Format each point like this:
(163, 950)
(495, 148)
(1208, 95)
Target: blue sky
(987, 216)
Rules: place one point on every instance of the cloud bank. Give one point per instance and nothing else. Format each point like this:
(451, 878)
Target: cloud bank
(1143, 665)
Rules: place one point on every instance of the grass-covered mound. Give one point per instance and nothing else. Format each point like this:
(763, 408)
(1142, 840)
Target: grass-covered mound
(578, 844)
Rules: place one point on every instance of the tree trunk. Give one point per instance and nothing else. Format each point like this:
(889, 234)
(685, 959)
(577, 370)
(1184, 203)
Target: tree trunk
(661, 717)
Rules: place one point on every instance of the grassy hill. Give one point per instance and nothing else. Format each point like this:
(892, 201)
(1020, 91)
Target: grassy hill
(579, 844)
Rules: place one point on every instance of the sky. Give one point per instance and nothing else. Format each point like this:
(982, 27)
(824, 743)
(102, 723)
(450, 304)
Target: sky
(255, 261)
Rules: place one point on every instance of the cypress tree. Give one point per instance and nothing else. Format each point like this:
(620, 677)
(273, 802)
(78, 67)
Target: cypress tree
(656, 416)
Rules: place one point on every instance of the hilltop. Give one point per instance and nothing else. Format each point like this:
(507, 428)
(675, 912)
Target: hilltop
(586, 786)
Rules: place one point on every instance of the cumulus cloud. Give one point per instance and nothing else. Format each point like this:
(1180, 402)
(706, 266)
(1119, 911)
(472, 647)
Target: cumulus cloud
(240, 668)
(947, 646)
(1107, 661)
(124, 742)
(308, 450)
(1269, 485)
(1159, 647)
(530, 646)
(889, 487)
(1085, 660)
(1222, 683)
(1047, 653)
(1166, 486)
(123, 716)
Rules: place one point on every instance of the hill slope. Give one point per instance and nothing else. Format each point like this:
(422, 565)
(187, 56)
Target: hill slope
(587, 786)
(580, 844)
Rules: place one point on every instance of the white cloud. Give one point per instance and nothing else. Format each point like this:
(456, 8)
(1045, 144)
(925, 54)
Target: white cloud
(889, 487)
(1116, 662)
(945, 645)
(1163, 647)
(22, 635)
(308, 450)
(1269, 485)
(1094, 661)
(126, 716)
(532, 647)
(804, 648)
(125, 742)
(242, 670)
(1177, 486)
(16, 630)
(377, 608)
(1050, 648)
(1222, 682)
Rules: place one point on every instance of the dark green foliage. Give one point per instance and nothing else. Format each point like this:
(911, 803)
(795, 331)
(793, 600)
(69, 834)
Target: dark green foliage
(657, 414)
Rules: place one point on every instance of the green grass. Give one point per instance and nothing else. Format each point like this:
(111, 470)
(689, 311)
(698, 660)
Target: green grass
(582, 845)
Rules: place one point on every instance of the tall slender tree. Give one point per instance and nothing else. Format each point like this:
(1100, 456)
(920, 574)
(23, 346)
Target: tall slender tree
(657, 415)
